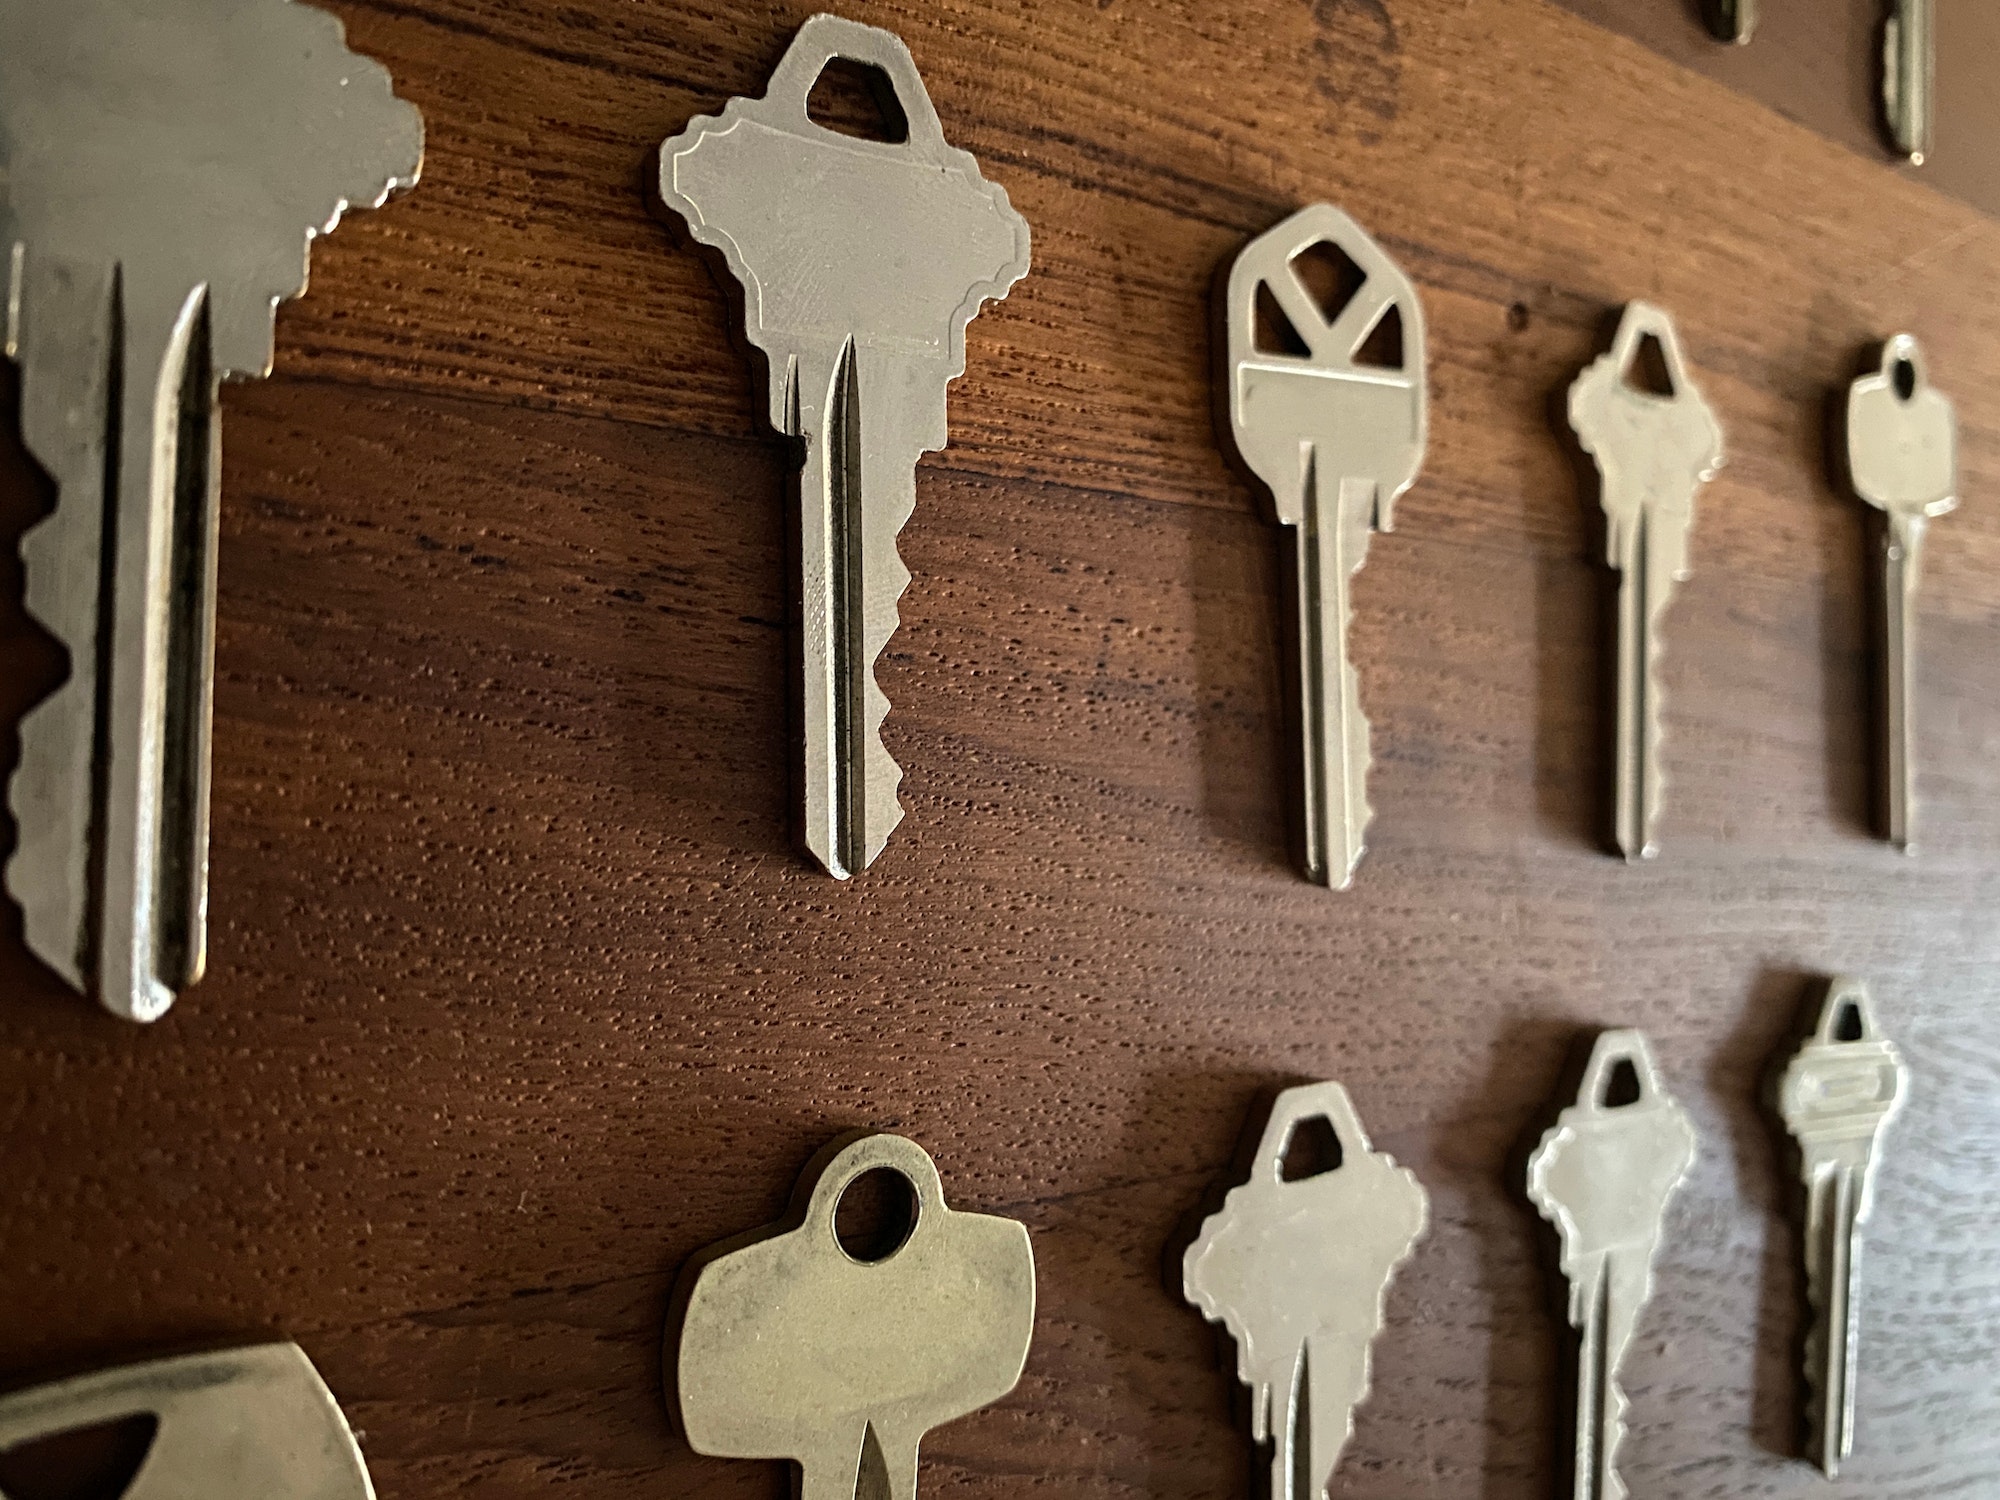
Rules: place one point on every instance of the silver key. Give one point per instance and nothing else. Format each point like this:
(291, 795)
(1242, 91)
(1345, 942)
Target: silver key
(1653, 451)
(1733, 20)
(861, 262)
(1902, 455)
(1837, 1095)
(1296, 1271)
(1603, 1176)
(163, 170)
(1909, 69)
(1335, 438)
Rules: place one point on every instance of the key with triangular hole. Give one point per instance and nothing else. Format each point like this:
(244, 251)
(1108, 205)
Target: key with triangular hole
(1655, 441)
(861, 262)
(1325, 385)
(163, 170)
(792, 1345)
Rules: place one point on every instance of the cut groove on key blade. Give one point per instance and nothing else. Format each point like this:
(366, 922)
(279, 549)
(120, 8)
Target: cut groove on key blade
(845, 654)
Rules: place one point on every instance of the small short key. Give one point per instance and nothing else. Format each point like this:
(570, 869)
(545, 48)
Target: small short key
(1836, 1096)
(1332, 420)
(163, 170)
(861, 262)
(1909, 69)
(1654, 448)
(1296, 1269)
(1603, 1176)
(1902, 455)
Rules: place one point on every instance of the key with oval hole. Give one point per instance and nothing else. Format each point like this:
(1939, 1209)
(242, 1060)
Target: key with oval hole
(239, 1424)
(1636, 412)
(1326, 392)
(1909, 71)
(1902, 456)
(861, 262)
(163, 171)
(1296, 1268)
(791, 1347)
(1603, 1176)
(1837, 1096)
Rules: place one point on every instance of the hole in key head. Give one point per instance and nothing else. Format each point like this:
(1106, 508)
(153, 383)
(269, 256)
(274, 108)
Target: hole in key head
(876, 1216)
(1383, 348)
(1312, 1149)
(857, 99)
(1272, 332)
(1847, 1024)
(1329, 276)
(1648, 372)
(84, 1463)
(1906, 380)
(1622, 1087)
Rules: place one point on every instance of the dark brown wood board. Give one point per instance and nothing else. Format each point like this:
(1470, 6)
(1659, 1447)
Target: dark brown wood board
(519, 993)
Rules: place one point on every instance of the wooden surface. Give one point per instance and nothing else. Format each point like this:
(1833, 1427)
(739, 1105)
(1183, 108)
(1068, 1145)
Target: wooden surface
(519, 994)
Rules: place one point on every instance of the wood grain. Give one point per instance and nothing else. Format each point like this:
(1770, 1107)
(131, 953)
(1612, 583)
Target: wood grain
(519, 994)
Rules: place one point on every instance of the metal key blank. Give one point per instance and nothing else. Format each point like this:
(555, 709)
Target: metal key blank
(1654, 448)
(163, 169)
(1336, 432)
(243, 1424)
(1836, 1096)
(1296, 1270)
(792, 1348)
(861, 262)
(1909, 75)
(1603, 1176)
(1902, 455)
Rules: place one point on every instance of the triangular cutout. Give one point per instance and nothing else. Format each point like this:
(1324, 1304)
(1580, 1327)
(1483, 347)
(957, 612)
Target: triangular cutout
(857, 99)
(1648, 372)
(1847, 1025)
(1312, 1149)
(872, 1483)
(1622, 1087)
(1383, 348)
(1273, 332)
(84, 1463)
(1330, 277)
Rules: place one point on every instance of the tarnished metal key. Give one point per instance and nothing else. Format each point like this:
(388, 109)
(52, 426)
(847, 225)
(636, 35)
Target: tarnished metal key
(861, 262)
(163, 169)
(1296, 1269)
(1909, 70)
(1336, 432)
(1837, 1094)
(1654, 448)
(1902, 455)
(1603, 1176)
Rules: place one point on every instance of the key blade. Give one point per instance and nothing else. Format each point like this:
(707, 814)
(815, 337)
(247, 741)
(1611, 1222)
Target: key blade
(1902, 555)
(1331, 545)
(1909, 65)
(1733, 20)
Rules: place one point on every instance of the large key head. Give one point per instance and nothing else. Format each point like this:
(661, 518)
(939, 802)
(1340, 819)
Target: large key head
(1654, 448)
(1325, 396)
(1604, 1173)
(892, 243)
(193, 142)
(1902, 436)
(243, 1424)
(1843, 1087)
(790, 1348)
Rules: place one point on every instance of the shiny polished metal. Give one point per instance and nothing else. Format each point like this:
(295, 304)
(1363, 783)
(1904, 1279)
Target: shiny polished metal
(1654, 449)
(861, 262)
(1909, 72)
(1837, 1095)
(791, 1348)
(1296, 1270)
(1336, 434)
(163, 170)
(1603, 1176)
(1733, 20)
(1902, 456)
(242, 1424)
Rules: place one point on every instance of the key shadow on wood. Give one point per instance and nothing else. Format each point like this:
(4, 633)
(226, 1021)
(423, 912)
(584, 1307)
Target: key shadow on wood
(1852, 626)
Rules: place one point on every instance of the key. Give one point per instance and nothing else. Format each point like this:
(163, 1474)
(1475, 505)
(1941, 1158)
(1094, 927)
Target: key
(1296, 1270)
(1902, 455)
(1733, 20)
(1335, 430)
(163, 170)
(861, 262)
(243, 1424)
(1909, 63)
(1653, 449)
(1836, 1096)
(791, 1347)
(1603, 1176)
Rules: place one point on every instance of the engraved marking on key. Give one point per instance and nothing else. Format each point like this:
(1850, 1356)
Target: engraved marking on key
(1653, 452)
(861, 262)
(163, 170)
(790, 1348)
(1603, 1176)
(1336, 440)
(1902, 456)
(241, 1424)
(1836, 1096)
(1909, 74)
(1296, 1271)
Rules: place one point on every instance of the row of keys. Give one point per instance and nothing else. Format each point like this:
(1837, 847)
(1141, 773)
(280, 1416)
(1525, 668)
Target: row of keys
(789, 1343)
